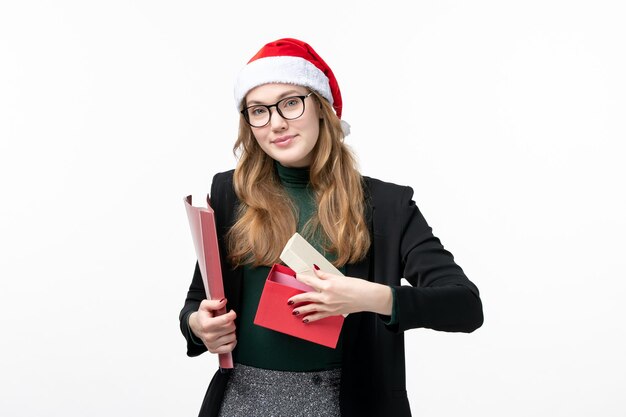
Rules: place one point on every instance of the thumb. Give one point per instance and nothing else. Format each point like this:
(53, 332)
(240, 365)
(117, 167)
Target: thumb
(212, 305)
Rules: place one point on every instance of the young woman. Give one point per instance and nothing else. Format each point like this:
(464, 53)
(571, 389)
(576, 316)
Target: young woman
(294, 173)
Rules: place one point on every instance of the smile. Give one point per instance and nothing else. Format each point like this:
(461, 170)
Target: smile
(283, 140)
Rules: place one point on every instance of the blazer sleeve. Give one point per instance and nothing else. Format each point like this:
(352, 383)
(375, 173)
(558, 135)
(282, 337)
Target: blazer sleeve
(195, 295)
(440, 297)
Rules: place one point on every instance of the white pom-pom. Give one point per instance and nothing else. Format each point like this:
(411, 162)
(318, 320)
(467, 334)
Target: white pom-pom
(345, 126)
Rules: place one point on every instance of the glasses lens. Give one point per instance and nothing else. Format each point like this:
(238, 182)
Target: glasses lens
(291, 107)
(258, 115)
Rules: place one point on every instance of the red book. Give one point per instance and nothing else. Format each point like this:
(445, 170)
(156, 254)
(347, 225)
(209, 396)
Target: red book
(204, 234)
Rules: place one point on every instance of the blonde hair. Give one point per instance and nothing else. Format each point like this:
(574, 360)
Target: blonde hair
(266, 216)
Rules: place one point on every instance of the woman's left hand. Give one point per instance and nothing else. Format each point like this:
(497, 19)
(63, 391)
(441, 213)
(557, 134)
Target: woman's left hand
(335, 295)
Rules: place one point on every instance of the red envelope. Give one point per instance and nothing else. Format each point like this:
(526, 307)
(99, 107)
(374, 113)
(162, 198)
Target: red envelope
(274, 313)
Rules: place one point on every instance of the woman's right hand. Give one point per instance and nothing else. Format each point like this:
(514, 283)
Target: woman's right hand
(216, 332)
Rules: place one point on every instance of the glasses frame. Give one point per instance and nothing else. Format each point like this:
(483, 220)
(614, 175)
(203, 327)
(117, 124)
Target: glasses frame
(244, 112)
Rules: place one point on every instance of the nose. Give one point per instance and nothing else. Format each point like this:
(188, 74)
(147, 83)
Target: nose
(277, 122)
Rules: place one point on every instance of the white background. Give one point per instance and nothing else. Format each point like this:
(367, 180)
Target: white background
(507, 118)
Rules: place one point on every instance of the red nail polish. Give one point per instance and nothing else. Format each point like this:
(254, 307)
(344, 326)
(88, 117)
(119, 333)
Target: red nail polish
(289, 302)
(221, 300)
(316, 267)
(305, 321)
(295, 312)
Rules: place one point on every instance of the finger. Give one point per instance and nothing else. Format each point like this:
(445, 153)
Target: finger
(310, 318)
(310, 280)
(228, 317)
(225, 339)
(226, 328)
(309, 309)
(215, 340)
(218, 324)
(306, 297)
(324, 275)
(225, 320)
(227, 348)
(212, 305)
(218, 338)
(314, 282)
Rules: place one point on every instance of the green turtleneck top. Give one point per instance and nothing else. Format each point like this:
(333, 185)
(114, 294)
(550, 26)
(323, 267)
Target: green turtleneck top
(268, 349)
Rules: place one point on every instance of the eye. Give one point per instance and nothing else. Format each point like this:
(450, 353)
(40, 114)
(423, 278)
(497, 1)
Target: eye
(290, 102)
(257, 111)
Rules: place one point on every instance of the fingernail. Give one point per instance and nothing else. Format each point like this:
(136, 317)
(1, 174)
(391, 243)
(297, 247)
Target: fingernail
(221, 300)
(289, 302)
(316, 267)
(305, 321)
(295, 312)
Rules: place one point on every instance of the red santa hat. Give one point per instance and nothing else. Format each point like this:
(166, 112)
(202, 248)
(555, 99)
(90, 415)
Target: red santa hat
(290, 61)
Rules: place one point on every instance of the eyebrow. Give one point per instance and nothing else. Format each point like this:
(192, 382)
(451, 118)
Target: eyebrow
(288, 93)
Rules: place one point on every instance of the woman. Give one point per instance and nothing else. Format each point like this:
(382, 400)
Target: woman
(295, 174)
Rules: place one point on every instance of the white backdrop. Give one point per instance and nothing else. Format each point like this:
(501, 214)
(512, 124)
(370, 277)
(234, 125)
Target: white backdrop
(507, 118)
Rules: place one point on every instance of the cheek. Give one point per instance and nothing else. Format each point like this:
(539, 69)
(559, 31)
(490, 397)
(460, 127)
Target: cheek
(316, 132)
(313, 123)
(259, 136)
(262, 145)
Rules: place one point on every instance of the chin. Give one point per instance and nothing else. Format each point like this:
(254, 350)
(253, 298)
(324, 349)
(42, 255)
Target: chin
(290, 164)
(293, 162)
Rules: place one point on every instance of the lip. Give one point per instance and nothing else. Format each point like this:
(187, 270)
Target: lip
(283, 140)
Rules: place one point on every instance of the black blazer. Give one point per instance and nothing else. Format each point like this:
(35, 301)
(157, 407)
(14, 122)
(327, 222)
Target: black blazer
(440, 297)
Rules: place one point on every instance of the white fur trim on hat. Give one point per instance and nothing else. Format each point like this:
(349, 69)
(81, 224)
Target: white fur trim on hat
(345, 127)
(281, 69)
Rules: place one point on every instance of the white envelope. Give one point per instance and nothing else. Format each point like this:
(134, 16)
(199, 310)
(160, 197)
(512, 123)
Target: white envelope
(300, 255)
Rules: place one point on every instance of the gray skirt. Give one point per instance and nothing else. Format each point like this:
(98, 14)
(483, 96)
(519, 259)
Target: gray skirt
(255, 392)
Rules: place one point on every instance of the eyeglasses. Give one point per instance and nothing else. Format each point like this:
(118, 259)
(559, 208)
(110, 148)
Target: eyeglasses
(289, 108)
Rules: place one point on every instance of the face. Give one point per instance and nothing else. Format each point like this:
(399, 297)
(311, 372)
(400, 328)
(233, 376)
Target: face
(290, 142)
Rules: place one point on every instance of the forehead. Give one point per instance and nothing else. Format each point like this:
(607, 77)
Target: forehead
(270, 93)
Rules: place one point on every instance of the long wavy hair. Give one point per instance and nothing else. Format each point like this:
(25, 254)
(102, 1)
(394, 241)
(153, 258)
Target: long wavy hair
(266, 217)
